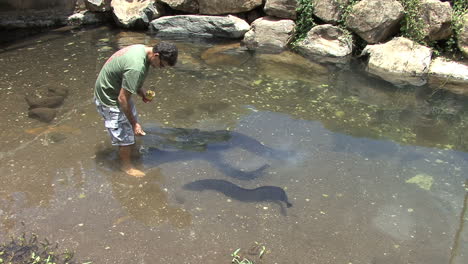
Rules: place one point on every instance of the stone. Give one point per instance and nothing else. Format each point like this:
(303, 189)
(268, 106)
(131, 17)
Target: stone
(98, 5)
(399, 61)
(327, 43)
(43, 114)
(449, 75)
(200, 26)
(220, 7)
(437, 19)
(47, 101)
(269, 34)
(189, 6)
(291, 66)
(375, 20)
(87, 18)
(463, 36)
(134, 14)
(58, 91)
(330, 11)
(281, 8)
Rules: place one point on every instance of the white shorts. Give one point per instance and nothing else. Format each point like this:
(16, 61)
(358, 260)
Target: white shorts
(119, 128)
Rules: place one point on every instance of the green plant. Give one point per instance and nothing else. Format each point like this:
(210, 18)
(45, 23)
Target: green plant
(304, 21)
(412, 26)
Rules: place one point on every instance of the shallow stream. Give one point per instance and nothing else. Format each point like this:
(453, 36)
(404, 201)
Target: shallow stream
(375, 173)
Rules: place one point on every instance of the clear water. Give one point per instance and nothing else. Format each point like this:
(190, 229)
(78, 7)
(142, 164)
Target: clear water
(375, 173)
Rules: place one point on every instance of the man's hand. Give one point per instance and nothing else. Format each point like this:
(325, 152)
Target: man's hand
(138, 130)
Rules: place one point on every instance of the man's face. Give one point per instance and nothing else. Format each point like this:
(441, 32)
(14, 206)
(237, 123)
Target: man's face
(157, 62)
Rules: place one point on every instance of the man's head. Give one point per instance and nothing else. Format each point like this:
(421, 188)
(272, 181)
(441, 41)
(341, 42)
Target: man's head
(166, 54)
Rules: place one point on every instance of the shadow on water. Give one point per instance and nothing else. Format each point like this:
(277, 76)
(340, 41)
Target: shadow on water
(166, 145)
(261, 194)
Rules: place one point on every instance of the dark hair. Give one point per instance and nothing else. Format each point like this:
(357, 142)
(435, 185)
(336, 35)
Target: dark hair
(167, 52)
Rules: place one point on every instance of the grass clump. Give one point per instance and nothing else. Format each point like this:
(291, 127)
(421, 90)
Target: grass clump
(29, 250)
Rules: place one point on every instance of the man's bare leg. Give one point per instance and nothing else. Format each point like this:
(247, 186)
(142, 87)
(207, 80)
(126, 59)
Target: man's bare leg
(127, 167)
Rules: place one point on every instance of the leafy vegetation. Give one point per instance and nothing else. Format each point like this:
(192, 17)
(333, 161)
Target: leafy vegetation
(29, 250)
(304, 21)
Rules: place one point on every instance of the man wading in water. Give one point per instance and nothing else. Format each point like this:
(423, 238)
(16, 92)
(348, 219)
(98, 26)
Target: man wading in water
(122, 76)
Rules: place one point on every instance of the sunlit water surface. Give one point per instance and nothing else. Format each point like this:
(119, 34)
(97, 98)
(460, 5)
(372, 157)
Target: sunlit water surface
(374, 173)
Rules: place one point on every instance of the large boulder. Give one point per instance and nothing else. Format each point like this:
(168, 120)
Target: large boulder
(437, 18)
(134, 14)
(200, 26)
(375, 20)
(463, 36)
(35, 13)
(281, 8)
(43, 114)
(189, 6)
(330, 11)
(269, 34)
(399, 61)
(88, 18)
(98, 5)
(449, 75)
(219, 7)
(327, 43)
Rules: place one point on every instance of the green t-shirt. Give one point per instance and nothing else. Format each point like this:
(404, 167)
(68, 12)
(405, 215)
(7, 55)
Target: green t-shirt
(127, 69)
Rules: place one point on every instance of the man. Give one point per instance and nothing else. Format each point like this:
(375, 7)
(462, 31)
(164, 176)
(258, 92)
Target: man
(121, 77)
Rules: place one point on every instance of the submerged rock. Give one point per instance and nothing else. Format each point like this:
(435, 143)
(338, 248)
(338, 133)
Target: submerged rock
(449, 75)
(49, 101)
(43, 114)
(399, 61)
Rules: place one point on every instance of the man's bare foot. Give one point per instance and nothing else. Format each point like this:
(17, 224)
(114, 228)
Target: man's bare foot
(134, 172)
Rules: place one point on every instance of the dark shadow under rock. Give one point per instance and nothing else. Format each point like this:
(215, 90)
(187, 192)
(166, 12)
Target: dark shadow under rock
(43, 114)
(50, 101)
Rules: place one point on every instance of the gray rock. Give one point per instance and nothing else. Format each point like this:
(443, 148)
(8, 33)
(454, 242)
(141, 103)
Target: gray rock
(375, 20)
(269, 34)
(437, 18)
(330, 11)
(200, 26)
(58, 91)
(219, 7)
(135, 14)
(98, 5)
(48, 101)
(463, 36)
(399, 61)
(189, 6)
(281, 8)
(43, 114)
(327, 43)
(449, 75)
(88, 18)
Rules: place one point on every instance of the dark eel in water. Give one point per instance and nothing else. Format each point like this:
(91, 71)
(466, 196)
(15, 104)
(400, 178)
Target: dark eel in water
(261, 194)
